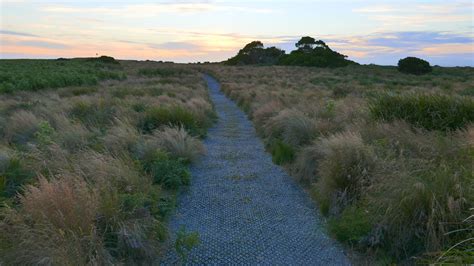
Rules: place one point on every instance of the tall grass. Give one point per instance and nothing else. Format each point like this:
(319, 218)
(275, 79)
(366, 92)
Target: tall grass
(81, 181)
(177, 142)
(391, 170)
(432, 112)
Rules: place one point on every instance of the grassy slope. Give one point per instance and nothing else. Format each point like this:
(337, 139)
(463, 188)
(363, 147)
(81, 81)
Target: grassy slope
(388, 156)
(89, 173)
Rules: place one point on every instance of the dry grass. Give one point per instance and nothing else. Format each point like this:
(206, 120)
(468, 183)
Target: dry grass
(22, 126)
(75, 187)
(389, 187)
(177, 142)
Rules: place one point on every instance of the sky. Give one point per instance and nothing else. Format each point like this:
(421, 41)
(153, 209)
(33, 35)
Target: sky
(378, 32)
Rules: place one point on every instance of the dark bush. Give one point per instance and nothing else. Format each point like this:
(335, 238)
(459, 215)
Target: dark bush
(413, 65)
(352, 225)
(282, 153)
(254, 53)
(13, 177)
(432, 112)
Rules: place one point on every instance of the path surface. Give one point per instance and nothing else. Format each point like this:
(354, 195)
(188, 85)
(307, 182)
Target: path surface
(246, 209)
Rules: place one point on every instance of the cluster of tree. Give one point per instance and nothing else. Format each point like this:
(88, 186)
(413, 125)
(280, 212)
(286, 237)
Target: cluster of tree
(254, 53)
(413, 65)
(309, 52)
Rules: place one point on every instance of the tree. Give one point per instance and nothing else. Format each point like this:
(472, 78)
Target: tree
(413, 65)
(255, 53)
(306, 43)
(250, 46)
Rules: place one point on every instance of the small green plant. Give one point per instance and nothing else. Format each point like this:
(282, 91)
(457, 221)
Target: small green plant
(185, 242)
(171, 173)
(282, 153)
(352, 226)
(45, 133)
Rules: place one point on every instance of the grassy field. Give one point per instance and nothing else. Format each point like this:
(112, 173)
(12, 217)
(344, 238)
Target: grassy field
(92, 153)
(387, 156)
(35, 75)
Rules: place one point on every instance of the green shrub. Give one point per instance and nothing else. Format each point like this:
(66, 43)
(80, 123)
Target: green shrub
(352, 225)
(45, 133)
(174, 116)
(170, 173)
(413, 65)
(13, 177)
(282, 153)
(185, 242)
(432, 112)
(140, 202)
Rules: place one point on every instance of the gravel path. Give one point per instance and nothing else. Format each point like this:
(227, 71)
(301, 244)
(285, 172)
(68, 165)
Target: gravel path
(246, 209)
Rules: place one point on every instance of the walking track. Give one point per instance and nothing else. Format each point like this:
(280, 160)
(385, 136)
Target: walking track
(246, 209)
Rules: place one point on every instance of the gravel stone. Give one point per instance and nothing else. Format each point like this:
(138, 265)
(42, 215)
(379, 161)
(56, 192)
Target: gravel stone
(246, 209)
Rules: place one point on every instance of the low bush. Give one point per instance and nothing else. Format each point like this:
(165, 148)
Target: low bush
(344, 171)
(172, 116)
(291, 126)
(93, 114)
(306, 163)
(352, 226)
(282, 153)
(177, 142)
(432, 112)
(13, 175)
(413, 65)
(172, 174)
(22, 126)
(66, 203)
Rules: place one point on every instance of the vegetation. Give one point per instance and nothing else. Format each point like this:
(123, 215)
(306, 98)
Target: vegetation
(309, 53)
(432, 112)
(88, 174)
(413, 65)
(44, 74)
(387, 156)
(255, 53)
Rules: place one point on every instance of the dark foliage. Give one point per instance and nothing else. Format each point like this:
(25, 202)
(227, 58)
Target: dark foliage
(309, 53)
(413, 65)
(314, 53)
(255, 54)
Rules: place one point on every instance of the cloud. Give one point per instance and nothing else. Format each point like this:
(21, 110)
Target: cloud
(409, 39)
(177, 46)
(9, 32)
(42, 44)
(417, 15)
(152, 9)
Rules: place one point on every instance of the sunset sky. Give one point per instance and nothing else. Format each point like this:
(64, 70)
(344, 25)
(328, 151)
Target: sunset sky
(379, 32)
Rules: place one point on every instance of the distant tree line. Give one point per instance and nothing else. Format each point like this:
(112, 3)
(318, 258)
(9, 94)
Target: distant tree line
(309, 52)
